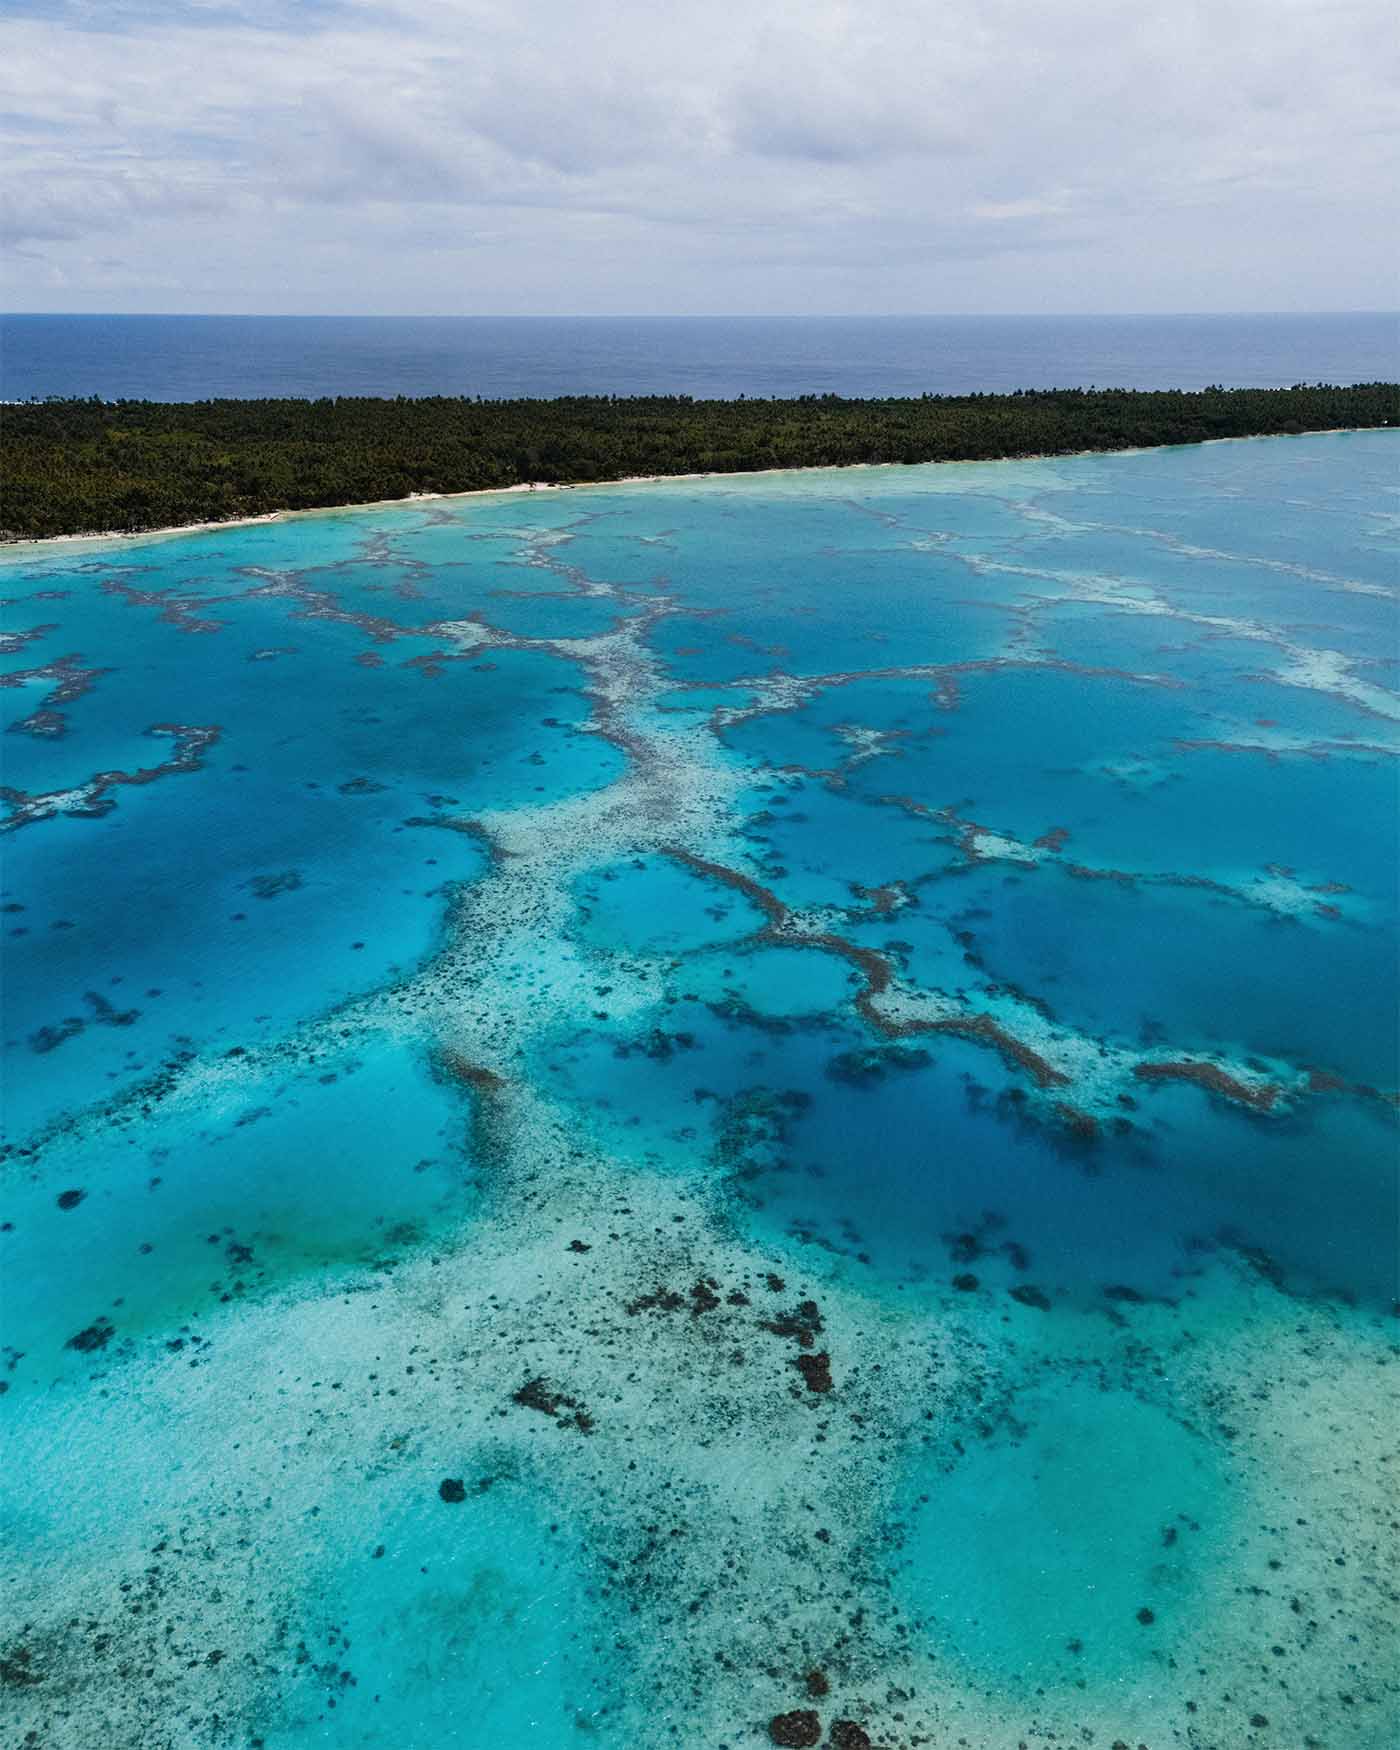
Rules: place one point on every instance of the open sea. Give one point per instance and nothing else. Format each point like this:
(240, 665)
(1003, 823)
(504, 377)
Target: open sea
(190, 358)
(706, 1113)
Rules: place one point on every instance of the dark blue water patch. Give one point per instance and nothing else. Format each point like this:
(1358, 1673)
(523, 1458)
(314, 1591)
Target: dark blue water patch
(292, 689)
(794, 740)
(715, 537)
(448, 571)
(1092, 636)
(1291, 536)
(1291, 609)
(1309, 1190)
(656, 906)
(628, 539)
(182, 358)
(766, 983)
(928, 940)
(556, 616)
(894, 1161)
(321, 1157)
(893, 1155)
(1181, 968)
(409, 596)
(219, 938)
(698, 702)
(866, 724)
(1112, 763)
(716, 650)
(130, 670)
(1050, 559)
(1226, 825)
(1023, 750)
(886, 625)
(1327, 613)
(1239, 584)
(1303, 714)
(231, 900)
(819, 846)
(654, 1084)
(895, 614)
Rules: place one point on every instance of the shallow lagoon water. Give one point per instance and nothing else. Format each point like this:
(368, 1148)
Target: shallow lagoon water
(637, 1110)
(1035, 1557)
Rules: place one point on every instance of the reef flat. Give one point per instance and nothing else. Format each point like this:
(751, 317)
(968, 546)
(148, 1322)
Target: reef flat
(718, 1113)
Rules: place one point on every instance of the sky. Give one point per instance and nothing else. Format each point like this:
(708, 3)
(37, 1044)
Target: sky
(557, 157)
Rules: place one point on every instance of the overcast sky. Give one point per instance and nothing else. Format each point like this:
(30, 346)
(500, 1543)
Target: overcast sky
(562, 156)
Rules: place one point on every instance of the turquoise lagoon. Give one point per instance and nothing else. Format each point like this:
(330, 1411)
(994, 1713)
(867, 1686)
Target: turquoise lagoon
(636, 1111)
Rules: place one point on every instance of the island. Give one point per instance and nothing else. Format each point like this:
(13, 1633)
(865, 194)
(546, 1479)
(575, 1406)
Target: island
(85, 466)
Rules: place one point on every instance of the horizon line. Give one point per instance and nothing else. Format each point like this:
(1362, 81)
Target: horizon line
(687, 316)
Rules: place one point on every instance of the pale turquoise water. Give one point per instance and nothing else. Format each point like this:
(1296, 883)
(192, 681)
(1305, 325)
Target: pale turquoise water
(459, 957)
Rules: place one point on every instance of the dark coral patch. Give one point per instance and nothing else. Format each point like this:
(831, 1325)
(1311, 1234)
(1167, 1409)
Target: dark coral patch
(661, 1299)
(94, 1336)
(816, 1370)
(269, 886)
(18, 1670)
(802, 1326)
(797, 1730)
(538, 1394)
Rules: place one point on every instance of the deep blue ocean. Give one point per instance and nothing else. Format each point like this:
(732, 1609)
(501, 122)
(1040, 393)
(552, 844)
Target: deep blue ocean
(189, 358)
(700, 1114)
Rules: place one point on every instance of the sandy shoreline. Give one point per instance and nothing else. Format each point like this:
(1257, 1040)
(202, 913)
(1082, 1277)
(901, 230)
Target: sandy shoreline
(529, 486)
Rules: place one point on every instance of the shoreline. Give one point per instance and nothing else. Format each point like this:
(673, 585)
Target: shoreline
(27, 542)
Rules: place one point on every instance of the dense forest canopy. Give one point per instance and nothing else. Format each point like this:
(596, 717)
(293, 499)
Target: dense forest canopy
(75, 466)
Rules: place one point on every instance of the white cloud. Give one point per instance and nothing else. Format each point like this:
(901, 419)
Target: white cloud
(764, 155)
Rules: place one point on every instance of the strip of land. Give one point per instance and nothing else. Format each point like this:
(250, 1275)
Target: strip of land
(74, 467)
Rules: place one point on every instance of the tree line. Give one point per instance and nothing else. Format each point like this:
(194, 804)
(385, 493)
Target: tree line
(77, 466)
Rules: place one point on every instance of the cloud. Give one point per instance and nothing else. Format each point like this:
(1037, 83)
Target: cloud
(633, 156)
(52, 205)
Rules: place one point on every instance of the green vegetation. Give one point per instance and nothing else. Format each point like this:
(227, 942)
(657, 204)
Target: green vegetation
(76, 466)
